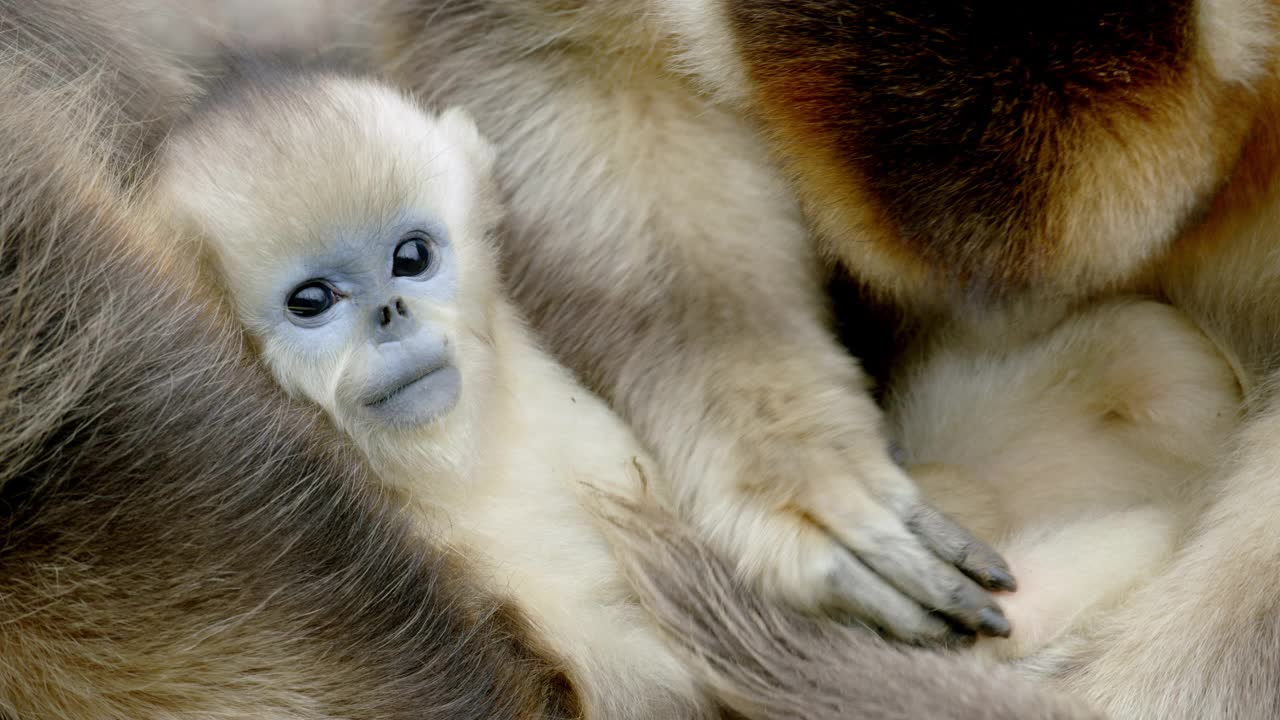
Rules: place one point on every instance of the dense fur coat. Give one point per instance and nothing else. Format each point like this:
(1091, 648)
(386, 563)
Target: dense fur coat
(176, 538)
(972, 159)
(179, 539)
(680, 289)
(1061, 151)
(684, 173)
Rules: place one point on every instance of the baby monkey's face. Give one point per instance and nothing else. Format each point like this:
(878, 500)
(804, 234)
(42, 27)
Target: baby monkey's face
(365, 325)
(350, 229)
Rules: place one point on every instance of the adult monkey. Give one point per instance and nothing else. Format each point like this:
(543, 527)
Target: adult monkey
(177, 539)
(965, 160)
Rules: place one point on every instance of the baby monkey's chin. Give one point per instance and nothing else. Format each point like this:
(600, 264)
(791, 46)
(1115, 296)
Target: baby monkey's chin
(417, 400)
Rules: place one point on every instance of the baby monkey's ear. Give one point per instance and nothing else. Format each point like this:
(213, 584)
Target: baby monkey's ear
(461, 131)
(457, 124)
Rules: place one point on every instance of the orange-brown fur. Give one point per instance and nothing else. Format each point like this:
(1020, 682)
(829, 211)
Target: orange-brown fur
(1218, 270)
(1030, 177)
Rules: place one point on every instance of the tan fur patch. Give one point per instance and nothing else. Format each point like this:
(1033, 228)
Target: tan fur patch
(935, 153)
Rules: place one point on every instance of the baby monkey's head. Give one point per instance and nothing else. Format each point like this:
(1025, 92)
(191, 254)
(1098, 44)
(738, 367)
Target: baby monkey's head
(349, 228)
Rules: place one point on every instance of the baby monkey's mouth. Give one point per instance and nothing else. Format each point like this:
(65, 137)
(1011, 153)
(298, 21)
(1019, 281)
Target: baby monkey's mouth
(411, 386)
(388, 393)
(413, 389)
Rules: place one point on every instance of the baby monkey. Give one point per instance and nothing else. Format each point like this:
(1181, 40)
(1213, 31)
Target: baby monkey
(1095, 443)
(351, 231)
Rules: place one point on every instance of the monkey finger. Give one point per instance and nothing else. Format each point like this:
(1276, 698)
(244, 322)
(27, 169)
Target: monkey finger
(877, 538)
(956, 545)
(854, 589)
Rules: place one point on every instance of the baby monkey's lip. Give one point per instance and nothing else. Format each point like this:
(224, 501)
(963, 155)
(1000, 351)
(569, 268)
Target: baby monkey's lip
(403, 384)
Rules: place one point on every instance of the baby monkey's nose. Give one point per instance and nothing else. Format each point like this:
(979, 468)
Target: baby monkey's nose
(393, 309)
(392, 322)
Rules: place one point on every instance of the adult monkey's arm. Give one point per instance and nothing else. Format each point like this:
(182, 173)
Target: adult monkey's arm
(654, 245)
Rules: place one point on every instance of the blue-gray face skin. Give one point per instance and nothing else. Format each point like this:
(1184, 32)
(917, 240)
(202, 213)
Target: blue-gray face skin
(368, 289)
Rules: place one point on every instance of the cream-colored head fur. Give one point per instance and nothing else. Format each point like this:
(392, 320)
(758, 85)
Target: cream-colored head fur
(279, 169)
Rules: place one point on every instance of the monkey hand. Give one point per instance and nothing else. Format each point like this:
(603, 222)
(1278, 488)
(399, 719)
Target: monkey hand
(812, 508)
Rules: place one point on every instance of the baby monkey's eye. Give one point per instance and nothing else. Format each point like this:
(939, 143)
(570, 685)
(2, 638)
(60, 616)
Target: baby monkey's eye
(414, 256)
(311, 299)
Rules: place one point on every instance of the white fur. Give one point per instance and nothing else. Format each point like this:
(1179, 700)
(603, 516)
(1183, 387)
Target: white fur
(703, 46)
(1081, 454)
(1238, 36)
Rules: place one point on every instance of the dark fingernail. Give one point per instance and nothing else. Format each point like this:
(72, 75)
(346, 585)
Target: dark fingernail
(992, 622)
(998, 579)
